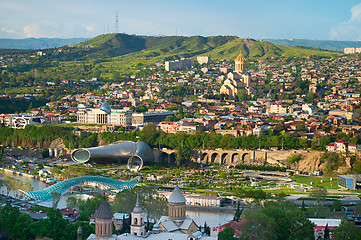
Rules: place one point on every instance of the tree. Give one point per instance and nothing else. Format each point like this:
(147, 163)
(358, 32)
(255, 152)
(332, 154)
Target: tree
(319, 192)
(183, 154)
(154, 205)
(226, 234)
(336, 205)
(141, 108)
(56, 198)
(238, 213)
(206, 229)
(303, 208)
(290, 222)
(326, 235)
(357, 211)
(347, 230)
(258, 226)
(72, 203)
(150, 134)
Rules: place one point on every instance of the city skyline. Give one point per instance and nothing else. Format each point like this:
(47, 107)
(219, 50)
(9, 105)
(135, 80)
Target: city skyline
(322, 20)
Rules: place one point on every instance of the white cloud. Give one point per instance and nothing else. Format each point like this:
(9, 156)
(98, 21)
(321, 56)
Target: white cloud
(351, 29)
(89, 28)
(356, 13)
(32, 31)
(7, 30)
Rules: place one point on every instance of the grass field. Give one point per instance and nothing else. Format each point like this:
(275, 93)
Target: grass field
(316, 181)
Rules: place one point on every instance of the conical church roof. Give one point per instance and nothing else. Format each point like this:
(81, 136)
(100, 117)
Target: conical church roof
(104, 212)
(240, 58)
(137, 208)
(177, 196)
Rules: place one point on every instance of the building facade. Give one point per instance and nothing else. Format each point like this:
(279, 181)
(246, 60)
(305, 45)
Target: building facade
(349, 181)
(104, 115)
(203, 59)
(178, 64)
(140, 119)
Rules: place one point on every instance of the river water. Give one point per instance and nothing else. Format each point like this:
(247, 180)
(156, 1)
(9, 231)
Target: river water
(199, 216)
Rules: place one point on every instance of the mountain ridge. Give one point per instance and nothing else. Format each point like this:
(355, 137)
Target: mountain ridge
(331, 45)
(38, 43)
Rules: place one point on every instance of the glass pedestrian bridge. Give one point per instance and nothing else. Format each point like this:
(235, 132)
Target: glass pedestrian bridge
(54, 191)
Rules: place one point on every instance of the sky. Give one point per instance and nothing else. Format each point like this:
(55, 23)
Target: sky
(277, 19)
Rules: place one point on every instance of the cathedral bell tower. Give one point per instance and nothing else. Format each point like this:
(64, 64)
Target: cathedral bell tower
(240, 63)
(137, 226)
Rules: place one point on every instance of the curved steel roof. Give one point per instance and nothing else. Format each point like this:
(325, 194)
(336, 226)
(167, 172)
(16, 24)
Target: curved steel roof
(63, 186)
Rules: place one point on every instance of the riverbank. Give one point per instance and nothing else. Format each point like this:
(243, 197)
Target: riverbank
(22, 174)
(212, 209)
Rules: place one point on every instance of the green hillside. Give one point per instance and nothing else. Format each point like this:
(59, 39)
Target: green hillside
(112, 55)
(168, 48)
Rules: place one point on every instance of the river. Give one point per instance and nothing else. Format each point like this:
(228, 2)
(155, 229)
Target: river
(199, 216)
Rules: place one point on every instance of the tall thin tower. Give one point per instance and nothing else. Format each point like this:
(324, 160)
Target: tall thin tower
(159, 30)
(116, 23)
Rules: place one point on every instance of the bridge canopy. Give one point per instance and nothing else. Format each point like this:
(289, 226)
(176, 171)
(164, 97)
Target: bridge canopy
(49, 193)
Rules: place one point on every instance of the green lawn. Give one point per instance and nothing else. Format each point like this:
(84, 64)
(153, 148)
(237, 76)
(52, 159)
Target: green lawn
(316, 181)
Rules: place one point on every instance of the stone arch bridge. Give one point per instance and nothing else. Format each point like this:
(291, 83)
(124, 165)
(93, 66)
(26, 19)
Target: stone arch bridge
(218, 156)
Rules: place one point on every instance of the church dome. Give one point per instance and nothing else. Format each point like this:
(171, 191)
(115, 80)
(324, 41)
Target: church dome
(105, 107)
(177, 196)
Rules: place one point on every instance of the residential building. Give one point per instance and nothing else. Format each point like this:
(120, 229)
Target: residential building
(178, 64)
(203, 59)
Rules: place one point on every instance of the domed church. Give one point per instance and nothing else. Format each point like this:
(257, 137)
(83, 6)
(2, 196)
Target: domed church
(238, 80)
(177, 221)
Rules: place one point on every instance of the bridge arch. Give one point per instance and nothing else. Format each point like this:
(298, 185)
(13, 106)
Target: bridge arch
(245, 157)
(234, 158)
(204, 157)
(224, 158)
(163, 157)
(63, 186)
(214, 157)
(172, 158)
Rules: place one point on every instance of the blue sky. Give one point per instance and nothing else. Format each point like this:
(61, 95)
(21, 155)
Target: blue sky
(309, 19)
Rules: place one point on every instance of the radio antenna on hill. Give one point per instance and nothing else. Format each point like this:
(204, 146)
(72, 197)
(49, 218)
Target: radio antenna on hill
(116, 23)
(159, 33)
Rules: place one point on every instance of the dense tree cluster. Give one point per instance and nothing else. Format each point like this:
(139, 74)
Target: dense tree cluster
(19, 225)
(280, 220)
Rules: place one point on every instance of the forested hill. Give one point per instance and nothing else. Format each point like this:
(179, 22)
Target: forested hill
(174, 47)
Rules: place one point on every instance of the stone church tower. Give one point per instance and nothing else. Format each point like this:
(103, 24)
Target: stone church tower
(240, 63)
(177, 205)
(137, 226)
(103, 221)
